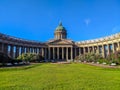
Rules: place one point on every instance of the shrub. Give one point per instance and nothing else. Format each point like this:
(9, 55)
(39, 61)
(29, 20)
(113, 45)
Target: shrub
(30, 57)
(89, 57)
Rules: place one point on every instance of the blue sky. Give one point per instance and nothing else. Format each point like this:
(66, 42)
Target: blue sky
(37, 19)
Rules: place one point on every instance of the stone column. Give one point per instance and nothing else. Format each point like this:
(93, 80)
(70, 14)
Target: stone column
(53, 53)
(11, 51)
(40, 51)
(71, 54)
(93, 49)
(22, 50)
(103, 51)
(58, 53)
(45, 53)
(118, 44)
(75, 51)
(36, 50)
(108, 47)
(27, 50)
(113, 47)
(98, 50)
(17, 52)
(49, 53)
(62, 53)
(31, 50)
(67, 53)
(84, 50)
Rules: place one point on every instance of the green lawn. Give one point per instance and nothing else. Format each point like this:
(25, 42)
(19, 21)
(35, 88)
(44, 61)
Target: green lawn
(59, 77)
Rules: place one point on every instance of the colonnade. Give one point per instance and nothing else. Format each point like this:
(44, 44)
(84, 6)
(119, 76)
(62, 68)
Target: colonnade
(69, 53)
(60, 52)
(15, 50)
(49, 53)
(103, 49)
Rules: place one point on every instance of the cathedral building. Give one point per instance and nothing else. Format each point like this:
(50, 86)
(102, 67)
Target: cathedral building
(60, 48)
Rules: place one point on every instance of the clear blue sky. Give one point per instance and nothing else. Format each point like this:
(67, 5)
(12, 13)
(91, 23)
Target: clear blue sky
(37, 19)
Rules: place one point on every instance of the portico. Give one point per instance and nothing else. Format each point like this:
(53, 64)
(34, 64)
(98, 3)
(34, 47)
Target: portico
(60, 50)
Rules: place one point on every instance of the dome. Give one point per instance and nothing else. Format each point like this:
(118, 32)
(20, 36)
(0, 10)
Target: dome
(60, 27)
(60, 32)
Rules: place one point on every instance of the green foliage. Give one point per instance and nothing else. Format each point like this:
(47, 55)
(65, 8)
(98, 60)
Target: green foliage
(89, 57)
(114, 57)
(95, 57)
(117, 57)
(103, 60)
(30, 57)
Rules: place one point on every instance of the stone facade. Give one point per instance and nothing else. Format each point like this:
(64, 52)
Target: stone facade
(60, 48)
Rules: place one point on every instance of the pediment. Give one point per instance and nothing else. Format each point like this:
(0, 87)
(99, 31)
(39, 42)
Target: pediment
(63, 41)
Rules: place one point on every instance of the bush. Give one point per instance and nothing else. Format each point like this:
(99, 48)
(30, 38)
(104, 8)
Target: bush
(95, 57)
(103, 60)
(114, 58)
(30, 57)
(89, 57)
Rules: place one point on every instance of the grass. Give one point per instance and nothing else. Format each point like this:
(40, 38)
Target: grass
(59, 77)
